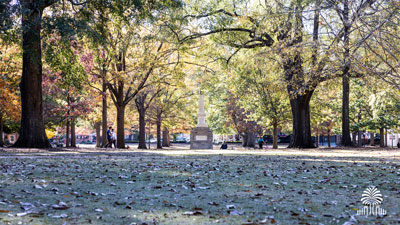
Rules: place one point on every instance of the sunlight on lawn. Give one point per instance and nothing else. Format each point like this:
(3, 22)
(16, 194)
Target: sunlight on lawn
(201, 186)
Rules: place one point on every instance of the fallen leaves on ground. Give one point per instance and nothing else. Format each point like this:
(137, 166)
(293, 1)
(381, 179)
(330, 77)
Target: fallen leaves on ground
(125, 188)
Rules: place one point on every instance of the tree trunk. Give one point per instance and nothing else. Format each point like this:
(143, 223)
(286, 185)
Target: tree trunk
(345, 112)
(301, 121)
(345, 79)
(97, 127)
(317, 138)
(165, 141)
(295, 77)
(149, 135)
(386, 142)
(275, 133)
(142, 128)
(382, 140)
(32, 133)
(121, 126)
(372, 139)
(104, 125)
(67, 140)
(250, 139)
(1, 130)
(159, 145)
(354, 138)
(329, 138)
(73, 135)
(244, 141)
(359, 139)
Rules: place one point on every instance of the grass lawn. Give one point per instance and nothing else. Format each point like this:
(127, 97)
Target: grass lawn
(92, 186)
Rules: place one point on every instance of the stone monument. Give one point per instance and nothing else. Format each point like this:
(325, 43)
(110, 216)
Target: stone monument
(201, 137)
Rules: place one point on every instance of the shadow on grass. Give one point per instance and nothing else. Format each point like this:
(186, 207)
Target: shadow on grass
(229, 187)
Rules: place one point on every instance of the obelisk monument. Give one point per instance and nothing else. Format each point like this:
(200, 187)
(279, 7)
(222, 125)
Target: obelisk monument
(201, 137)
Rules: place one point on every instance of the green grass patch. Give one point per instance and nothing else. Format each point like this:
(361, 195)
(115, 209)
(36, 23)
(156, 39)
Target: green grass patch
(232, 188)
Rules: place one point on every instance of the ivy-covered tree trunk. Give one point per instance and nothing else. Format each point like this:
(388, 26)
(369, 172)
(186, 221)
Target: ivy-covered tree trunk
(73, 134)
(300, 105)
(97, 127)
(275, 133)
(32, 133)
(1, 130)
(121, 126)
(382, 140)
(159, 144)
(165, 141)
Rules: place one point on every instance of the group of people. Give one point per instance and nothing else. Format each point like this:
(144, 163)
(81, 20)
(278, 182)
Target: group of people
(111, 138)
(260, 142)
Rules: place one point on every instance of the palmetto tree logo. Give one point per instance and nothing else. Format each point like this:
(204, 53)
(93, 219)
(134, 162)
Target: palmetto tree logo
(371, 196)
(371, 199)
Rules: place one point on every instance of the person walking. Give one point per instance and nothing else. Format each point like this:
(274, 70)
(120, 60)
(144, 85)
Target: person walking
(114, 138)
(260, 142)
(109, 138)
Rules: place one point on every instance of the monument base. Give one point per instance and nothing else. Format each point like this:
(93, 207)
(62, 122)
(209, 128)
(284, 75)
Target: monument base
(201, 138)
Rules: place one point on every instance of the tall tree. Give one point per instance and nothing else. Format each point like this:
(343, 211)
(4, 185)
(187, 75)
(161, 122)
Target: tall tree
(258, 88)
(354, 15)
(124, 88)
(169, 100)
(32, 133)
(242, 122)
(289, 33)
(280, 26)
(325, 113)
(131, 49)
(97, 64)
(142, 102)
(62, 54)
(97, 60)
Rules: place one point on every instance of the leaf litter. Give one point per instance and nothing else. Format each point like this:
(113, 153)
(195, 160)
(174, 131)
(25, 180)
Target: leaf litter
(205, 189)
